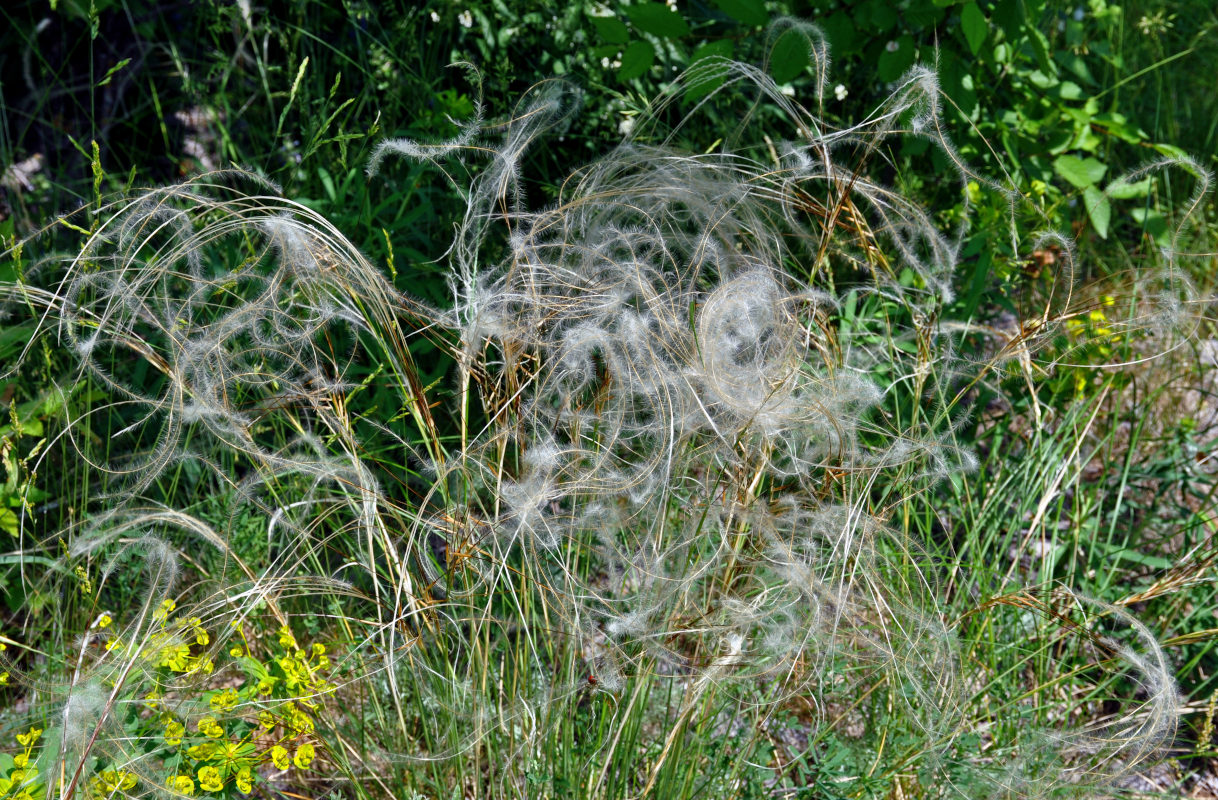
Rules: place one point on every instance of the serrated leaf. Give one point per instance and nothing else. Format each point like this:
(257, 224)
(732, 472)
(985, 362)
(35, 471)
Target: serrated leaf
(1121, 189)
(610, 29)
(637, 58)
(1099, 210)
(749, 12)
(1080, 172)
(789, 56)
(974, 26)
(658, 20)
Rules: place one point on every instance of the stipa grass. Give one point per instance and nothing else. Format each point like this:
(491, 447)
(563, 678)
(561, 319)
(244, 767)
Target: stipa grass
(660, 506)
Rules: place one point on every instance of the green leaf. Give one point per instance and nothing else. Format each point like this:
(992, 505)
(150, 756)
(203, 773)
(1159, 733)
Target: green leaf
(1154, 224)
(1170, 150)
(893, 63)
(706, 77)
(611, 29)
(975, 28)
(9, 522)
(1069, 90)
(1099, 210)
(748, 12)
(637, 58)
(1080, 172)
(658, 20)
(1120, 189)
(789, 56)
(110, 73)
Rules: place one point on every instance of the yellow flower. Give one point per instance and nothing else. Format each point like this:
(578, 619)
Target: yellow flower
(162, 613)
(319, 649)
(21, 759)
(223, 701)
(3, 679)
(245, 780)
(304, 756)
(209, 779)
(28, 739)
(116, 780)
(182, 784)
(279, 756)
(266, 719)
(209, 727)
(174, 731)
(236, 652)
(104, 621)
(286, 639)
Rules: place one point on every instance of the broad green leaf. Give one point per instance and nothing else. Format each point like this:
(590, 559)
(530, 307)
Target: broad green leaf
(841, 32)
(658, 20)
(9, 522)
(637, 58)
(1170, 150)
(1069, 90)
(611, 29)
(1119, 126)
(893, 62)
(1120, 189)
(705, 76)
(749, 12)
(975, 28)
(1099, 210)
(1080, 172)
(1040, 48)
(789, 56)
(1154, 224)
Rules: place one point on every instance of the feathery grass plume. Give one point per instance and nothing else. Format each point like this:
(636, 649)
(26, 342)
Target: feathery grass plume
(678, 441)
(675, 456)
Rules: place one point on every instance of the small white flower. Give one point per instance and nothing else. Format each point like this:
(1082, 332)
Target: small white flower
(1079, 13)
(840, 91)
(435, 17)
(787, 90)
(892, 46)
(671, 4)
(466, 19)
(626, 126)
(605, 62)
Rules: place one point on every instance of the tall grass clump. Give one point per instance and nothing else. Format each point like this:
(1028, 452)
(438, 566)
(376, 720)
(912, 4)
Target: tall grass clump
(654, 529)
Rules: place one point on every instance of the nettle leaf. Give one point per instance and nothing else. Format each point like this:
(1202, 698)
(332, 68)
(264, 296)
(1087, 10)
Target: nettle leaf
(975, 28)
(789, 56)
(611, 29)
(706, 77)
(1080, 172)
(658, 20)
(748, 12)
(637, 58)
(1099, 210)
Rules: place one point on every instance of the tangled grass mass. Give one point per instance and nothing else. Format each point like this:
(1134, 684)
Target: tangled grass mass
(662, 503)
